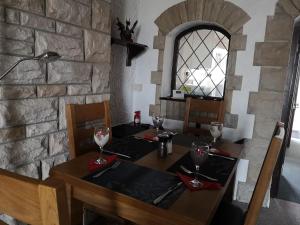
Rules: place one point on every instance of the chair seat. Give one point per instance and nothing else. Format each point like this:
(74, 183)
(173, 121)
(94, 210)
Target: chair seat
(228, 214)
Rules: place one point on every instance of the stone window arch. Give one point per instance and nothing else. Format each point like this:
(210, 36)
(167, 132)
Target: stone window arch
(221, 13)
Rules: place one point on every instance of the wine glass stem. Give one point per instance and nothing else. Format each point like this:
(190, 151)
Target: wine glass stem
(101, 152)
(197, 172)
(215, 140)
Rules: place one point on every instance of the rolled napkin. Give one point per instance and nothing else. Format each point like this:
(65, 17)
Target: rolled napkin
(219, 152)
(150, 137)
(93, 166)
(206, 185)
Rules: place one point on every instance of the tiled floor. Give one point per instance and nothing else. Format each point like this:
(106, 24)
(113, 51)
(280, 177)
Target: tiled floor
(289, 187)
(280, 213)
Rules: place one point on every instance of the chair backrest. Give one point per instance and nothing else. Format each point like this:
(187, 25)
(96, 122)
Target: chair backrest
(79, 133)
(265, 175)
(32, 201)
(201, 111)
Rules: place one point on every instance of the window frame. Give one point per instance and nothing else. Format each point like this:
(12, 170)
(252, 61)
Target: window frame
(175, 57)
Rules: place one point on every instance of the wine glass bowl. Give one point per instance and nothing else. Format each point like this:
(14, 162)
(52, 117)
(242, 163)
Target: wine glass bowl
(101, 137)
(199, 154)
(216, 130)
(157, 121)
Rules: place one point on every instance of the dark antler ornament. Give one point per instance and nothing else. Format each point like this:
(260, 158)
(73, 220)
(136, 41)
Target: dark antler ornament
(125, 31)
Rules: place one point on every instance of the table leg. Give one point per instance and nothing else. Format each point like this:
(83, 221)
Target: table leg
(75, 207)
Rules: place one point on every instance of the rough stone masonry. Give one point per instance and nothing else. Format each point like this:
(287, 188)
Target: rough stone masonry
(33, 96)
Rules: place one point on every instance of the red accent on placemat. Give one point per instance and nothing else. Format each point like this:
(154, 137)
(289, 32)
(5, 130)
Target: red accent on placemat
(92, 165)
(150, 137)
(206, 184)
(220, 152)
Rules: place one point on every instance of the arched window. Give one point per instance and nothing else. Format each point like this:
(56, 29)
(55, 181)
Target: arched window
(200, 61)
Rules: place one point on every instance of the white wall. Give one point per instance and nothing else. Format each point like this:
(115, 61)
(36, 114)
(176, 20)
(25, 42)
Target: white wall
(148, 11)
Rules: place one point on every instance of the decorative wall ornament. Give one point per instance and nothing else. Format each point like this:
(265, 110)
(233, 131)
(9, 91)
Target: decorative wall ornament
(125, 30)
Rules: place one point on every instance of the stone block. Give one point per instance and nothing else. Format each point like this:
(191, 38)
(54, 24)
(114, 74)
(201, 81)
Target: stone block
(212, 9)
(35, 6)
(238, 42)
(69, 72)
(232, 17)
(263, 127)
(228, 100)
(68, 48)
(154, 109)
(41, 128)
(30, 72)
(231, 120)
(12, 134)
(79, 89)
(16, 32)
(31, 170)
(231, 62)
(18, 112)
(62, 111)
(101, 19)
(100, 78)
(12, 16)
(272, 79)
(16, 47)
(17, 92)
(289, 7)
(47, 164)
(156, 77)
(97, 98)
(195, 9)
(279, 28)
(266, 104)
(69, 30)
(69, 11)
(172, 17)
(97, 47)
(39, 22)
(58, 143)
(160, 63)
(157, 94)
(51, 90)
(21, 152)
(2, 13)
(159, 42)
(86, 2)
(271, 54)
(234, 82)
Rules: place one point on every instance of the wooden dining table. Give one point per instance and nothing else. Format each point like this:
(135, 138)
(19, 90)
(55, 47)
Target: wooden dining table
(190, 208)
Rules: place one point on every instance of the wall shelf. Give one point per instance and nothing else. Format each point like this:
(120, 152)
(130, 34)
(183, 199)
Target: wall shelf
(133, 49)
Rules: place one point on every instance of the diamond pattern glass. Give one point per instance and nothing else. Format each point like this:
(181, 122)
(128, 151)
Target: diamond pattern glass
(202, 63)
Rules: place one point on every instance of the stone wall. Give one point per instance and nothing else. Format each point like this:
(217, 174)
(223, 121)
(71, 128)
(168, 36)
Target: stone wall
(33, 96)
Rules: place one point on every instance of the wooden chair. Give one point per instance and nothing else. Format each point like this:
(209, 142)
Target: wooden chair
(230, 214)
(201, 112)
(32, 201)
(80, 137)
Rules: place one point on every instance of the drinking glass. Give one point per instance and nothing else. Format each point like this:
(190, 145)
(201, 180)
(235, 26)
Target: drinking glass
(216, 130)
(101, 137)
(199, 153)
(157, 122)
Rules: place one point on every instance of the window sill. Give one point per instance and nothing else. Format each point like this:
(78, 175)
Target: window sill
(169, 98)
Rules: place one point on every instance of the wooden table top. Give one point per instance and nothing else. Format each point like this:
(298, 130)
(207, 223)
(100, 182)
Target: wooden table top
(191, 208)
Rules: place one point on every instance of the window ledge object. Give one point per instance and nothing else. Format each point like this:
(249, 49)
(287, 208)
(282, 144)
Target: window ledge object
(133, 49)
(170, 98)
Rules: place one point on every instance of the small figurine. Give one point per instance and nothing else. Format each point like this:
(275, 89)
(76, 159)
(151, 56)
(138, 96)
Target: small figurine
(126, 32)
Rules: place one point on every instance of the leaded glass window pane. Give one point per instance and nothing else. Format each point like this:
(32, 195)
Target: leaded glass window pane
(201, 62)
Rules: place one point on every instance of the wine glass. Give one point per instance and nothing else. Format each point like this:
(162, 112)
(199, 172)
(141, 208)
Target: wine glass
(199, 153)
(101, 137)
(216, 130)
(157, 122)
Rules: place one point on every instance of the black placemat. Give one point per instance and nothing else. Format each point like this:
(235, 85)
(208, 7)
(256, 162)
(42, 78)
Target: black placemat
(139, 182)
(186, 140)
(131, 146)
(125, 130)
(214, 166)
